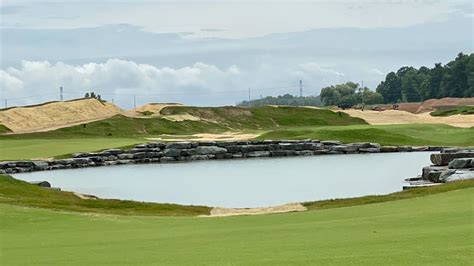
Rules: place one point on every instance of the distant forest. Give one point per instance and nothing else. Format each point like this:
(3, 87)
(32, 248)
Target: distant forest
(286, 99)
(408, 84)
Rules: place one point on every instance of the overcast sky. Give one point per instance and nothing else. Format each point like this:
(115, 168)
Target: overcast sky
(211, 52)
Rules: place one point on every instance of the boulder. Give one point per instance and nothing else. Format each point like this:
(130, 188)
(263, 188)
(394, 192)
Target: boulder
(431, 169)
(179, 145)
(421, 148)
(446, 158)
(304, 153)
(204, 150)
(331, 142)
(171, 152)
(451, 175)
(197, 157)
(404, 148)
(278, 153)
(112, 152)
(207, 143)
(369, 150)
(125, 156)
(167, 159)
(338, 148)
(251, 147)
(258, 154)
(388, 149)
(461, 163)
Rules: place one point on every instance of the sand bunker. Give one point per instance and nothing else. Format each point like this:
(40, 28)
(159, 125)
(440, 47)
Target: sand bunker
(390, 117)
(221, 212)
(154, 108)
(227, 136)
(55, 115)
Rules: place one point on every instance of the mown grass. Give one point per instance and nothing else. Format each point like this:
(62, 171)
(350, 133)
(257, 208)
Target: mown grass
(456, 110)
(432, 230)
(17, 192)
(405, 194)
(410, 134)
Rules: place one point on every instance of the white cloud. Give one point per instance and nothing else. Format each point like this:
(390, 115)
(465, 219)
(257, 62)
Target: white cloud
(113, 77)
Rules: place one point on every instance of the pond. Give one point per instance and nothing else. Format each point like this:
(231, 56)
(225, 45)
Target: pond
(243, 183)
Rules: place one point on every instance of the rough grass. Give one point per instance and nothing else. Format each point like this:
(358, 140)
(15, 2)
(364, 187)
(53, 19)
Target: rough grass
(4, 129)
(410, 134)
(431, 230)
(266, 116)
(17, 192)
(455, 110)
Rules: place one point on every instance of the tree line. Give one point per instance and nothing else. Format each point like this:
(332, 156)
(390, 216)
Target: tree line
(408, 84)
(286, 99)
(349, 94)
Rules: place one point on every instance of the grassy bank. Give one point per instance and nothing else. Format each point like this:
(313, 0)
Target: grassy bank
(410, 134)
(456, 110)
(432, 230)
(13, 191)
(17, 192)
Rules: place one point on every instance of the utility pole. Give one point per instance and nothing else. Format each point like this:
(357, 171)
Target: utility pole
(61, 93)
(261, 100)
(362, 92)
(249, 96)
(134, 101)
(6, 103)
(301, 88)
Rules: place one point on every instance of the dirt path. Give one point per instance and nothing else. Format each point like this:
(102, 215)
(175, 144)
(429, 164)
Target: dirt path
(222, 212)
(390, 117)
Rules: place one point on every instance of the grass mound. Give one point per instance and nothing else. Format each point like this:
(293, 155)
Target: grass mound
(265, 117)
(17, 192)
(455, 110)
(4, 129)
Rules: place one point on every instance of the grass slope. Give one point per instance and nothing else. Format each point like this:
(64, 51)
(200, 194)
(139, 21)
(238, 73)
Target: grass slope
(4, 129)
(18, 192)
(410, 134)
(457, 110)
(431, 230)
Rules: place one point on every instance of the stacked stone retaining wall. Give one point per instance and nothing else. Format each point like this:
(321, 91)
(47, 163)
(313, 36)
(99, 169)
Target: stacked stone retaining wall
(164, 152)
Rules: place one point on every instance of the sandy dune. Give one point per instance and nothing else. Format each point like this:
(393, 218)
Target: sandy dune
(155, 108)
(390, 117)
(55, 115)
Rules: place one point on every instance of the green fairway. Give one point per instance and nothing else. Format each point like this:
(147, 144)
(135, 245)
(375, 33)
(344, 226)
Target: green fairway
(431, 230)
(410, 134)
(27, 148)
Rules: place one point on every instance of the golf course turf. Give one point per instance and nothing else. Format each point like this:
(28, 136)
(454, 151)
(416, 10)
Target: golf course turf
(433, 230)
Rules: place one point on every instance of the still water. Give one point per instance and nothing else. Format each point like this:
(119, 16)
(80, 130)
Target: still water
(243, 183)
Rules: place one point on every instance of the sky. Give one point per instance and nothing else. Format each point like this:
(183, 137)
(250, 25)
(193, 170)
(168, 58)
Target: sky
(212, 52)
